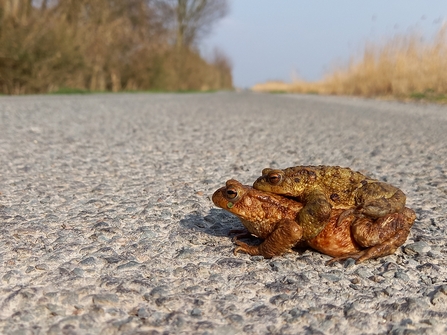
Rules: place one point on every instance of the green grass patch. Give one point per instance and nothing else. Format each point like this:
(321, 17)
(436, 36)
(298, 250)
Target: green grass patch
(167, 91)
(429, 95)
(418, 95)
(278, 92)
(70, 90)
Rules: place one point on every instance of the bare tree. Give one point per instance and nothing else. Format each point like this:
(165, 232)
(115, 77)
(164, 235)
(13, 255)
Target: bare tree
(108, 45)
(195, 19)
(44, 5)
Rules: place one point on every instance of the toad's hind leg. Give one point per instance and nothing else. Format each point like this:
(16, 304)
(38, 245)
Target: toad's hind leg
(377, 199)
(286, 234)
(381, 237)
(383, 249)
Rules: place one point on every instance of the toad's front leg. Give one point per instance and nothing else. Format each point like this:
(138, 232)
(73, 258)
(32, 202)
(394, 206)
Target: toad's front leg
(285, 235)
(315, 214)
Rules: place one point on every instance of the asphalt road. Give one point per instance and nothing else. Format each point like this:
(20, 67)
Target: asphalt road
(107, 227)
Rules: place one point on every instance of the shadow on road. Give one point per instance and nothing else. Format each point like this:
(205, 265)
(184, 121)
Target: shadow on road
(219, 223)
(216, 223)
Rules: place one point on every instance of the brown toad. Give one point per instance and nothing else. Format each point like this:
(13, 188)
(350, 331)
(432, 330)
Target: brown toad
(273, 218)
(322, 188)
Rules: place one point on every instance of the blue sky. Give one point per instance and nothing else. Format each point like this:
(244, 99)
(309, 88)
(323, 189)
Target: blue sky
(275, 40)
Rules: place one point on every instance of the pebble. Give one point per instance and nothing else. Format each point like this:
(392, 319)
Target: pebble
(402, 275)
(157, 292)
(143, 313)
(231, 263)
(388, 274)
(420, 247)
(363, 273)
(279, 299)
(89, 261)
(30, 269)
(349, 263)
(42, 267)
(196, 312)
(330, 277)
(128, 265)
(439, 297)
(105, 299)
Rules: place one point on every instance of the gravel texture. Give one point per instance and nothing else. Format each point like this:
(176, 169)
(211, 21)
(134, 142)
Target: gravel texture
(107, 227)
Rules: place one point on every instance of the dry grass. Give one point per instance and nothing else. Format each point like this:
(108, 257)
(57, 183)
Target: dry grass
(98, 45)
(404, 67)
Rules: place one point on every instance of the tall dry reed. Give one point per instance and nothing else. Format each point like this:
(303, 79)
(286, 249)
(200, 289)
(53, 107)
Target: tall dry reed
(405, 66)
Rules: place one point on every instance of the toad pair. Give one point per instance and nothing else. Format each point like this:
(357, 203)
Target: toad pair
(335, 210)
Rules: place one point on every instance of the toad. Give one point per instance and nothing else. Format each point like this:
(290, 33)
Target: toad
(322, 188)
(273, 218)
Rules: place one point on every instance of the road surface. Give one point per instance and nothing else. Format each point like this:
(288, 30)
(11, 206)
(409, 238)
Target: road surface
(107, 226)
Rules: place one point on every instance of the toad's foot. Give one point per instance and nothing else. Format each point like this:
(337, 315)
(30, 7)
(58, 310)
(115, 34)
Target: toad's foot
(239, 233)
(377, 251)
(343, 216)
(360, 256)
(252, 250)
(286, 234)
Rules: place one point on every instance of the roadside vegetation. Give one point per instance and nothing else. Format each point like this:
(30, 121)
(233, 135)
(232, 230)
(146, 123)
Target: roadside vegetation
(79, 46)
(405, 67)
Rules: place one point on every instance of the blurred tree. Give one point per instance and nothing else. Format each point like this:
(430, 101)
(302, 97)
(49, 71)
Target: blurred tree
(15, 9)
(195, 19)
(43, 5)
(108, 45)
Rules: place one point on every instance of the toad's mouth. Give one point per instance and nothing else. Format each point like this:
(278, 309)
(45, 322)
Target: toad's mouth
(290, 197)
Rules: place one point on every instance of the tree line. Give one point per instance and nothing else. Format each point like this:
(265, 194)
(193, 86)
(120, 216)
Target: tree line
(109, 45)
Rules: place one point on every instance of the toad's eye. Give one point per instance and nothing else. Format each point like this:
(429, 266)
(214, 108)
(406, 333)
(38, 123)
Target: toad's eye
(231, 194)
(274, 178)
